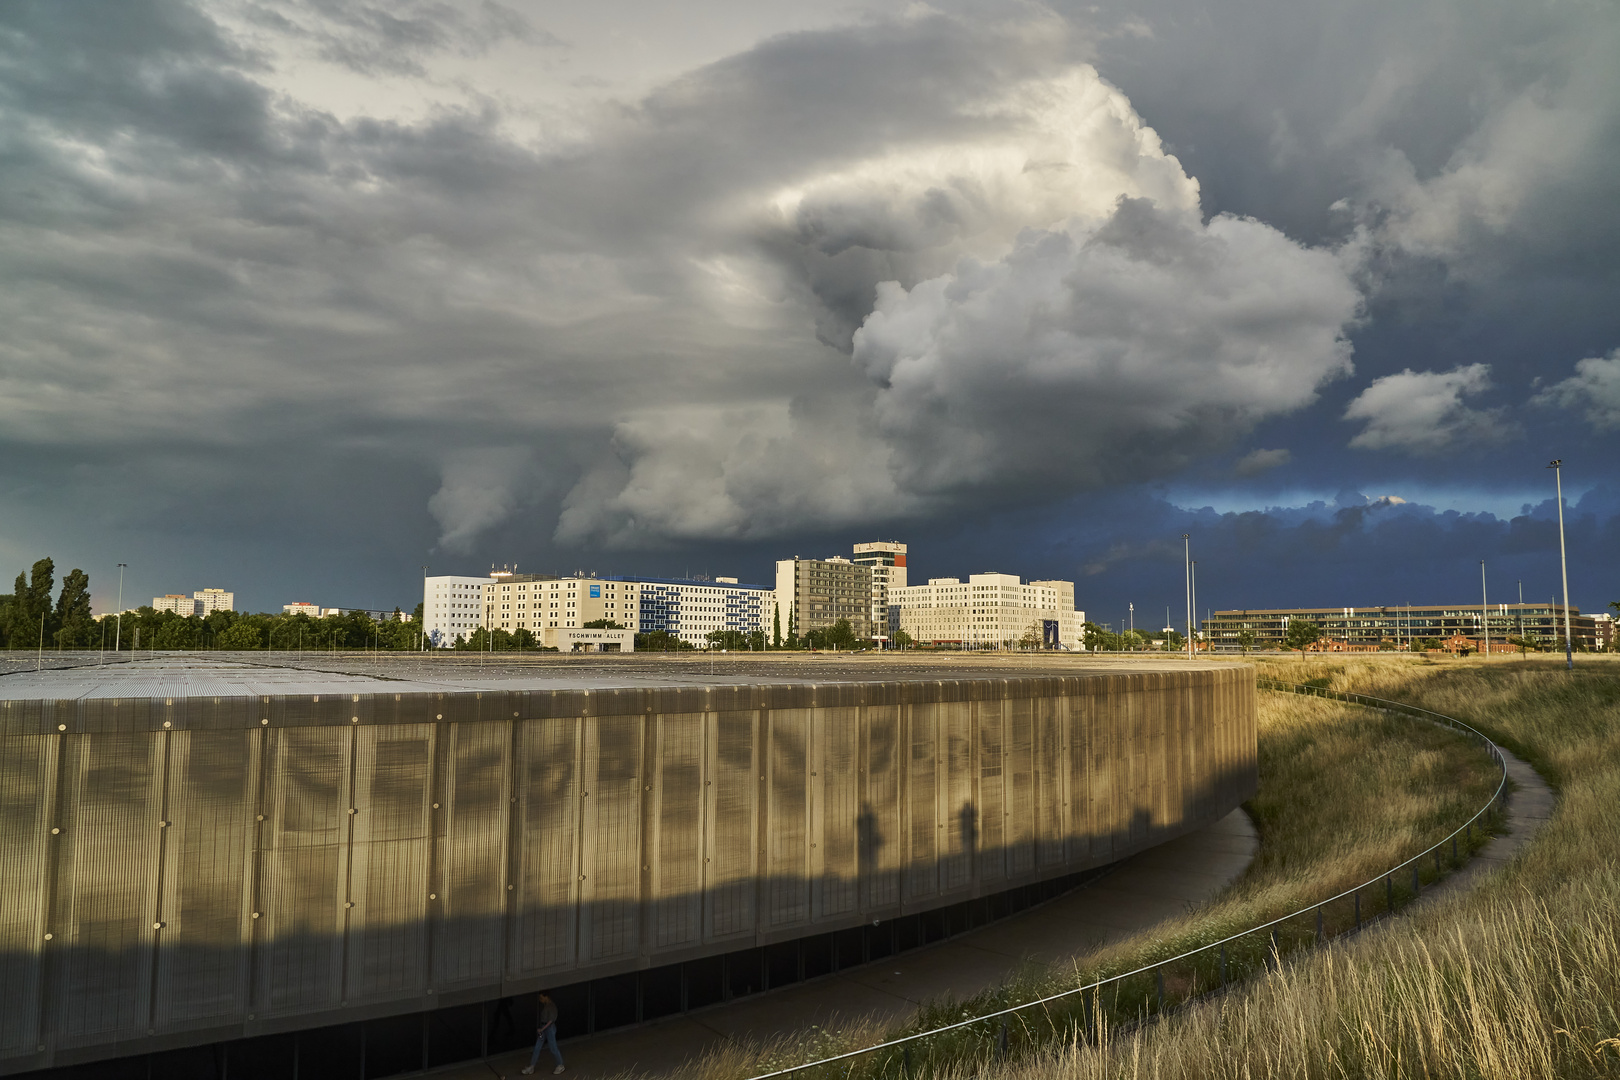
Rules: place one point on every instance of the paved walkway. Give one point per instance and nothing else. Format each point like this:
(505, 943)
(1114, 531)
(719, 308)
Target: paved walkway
(1529, 806)
(1141, 892)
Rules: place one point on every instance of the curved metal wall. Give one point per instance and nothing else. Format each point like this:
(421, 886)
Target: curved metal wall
(180, 871)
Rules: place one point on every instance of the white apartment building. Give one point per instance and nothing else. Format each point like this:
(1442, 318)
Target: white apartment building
(179, 603)
(691, 610)
(304, 607)
(887, 561)
(539, 602)
(988, 611)
(214, 600)
(452, 607)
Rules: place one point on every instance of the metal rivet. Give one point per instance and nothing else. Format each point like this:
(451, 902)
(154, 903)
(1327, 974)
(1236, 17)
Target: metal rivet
(266, 720)
(168, 724)
(348, 904)
(55, 832)
(352, 810)
(157, 926)
(61, 727)
(47, 938)
(644, 867)
(706, 860)
(163, 824)
(514, 714)
(261, 817)
(582, 877)
(440, 716)
(255, 914)
(509, 888)
(514, 798)
(433, 896)
(435, 806)
(430, 989)
(354, 719)
(647, 788)
(251, 1016)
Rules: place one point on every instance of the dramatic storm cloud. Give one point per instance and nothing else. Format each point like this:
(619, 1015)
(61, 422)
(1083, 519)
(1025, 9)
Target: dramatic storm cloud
(301, 296)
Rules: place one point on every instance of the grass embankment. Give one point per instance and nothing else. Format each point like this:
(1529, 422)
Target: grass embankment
(1518, 978)
(1344, 793)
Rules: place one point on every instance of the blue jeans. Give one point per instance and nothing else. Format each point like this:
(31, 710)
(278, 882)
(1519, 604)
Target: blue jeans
(548, 1039)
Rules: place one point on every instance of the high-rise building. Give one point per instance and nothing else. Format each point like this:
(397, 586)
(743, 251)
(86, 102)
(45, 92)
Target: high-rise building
(814, 594)
(452, 607)
(214, 600)
(887, 561)
(989, 611)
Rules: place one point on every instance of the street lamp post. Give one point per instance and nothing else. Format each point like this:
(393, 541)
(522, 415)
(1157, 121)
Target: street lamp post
(1484, 609)
(1186, 559)
(1557, 466)
(1192, 583)
(118, 633)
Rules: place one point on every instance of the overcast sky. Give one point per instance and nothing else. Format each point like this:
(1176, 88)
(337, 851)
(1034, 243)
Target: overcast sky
(298, 297)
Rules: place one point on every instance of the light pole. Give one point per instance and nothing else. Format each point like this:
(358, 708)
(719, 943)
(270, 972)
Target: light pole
(1186, 560)
(421, 634)
(1192, 582)
(1133, 626)
(1557, 466)
(1484, 609)
(118, 633)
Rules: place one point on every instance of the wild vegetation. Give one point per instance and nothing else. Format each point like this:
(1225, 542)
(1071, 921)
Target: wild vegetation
(1345, 793)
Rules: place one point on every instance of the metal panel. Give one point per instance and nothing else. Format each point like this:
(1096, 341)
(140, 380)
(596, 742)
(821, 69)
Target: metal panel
(27, 802)
(992, 839)
(471, 902)
(303, 869)
(882, 844)
(835, 805)
(957, 811)
(107, 885)
(610, 852)
(202, 960)
(1049, 774)
(546, 905)
(388, 887)
(922, 803)
(787, 780)
(675, 848)
(1021, 794)
(731, 860)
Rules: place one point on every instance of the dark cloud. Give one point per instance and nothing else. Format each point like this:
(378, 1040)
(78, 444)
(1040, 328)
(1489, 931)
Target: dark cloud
(887, 276)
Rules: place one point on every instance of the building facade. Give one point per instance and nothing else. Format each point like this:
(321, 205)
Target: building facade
(989, 611)
(814, 594)
(1400, 625)
(691, 610)
(538, 602)
(452, 607)
(887, 560)
(209, 600)
(304, 607)
(179, 603)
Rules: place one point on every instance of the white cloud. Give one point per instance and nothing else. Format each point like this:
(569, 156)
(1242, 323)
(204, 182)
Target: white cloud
(480, 489)
(1595, 386)
(1423, 411)
(1258, 461)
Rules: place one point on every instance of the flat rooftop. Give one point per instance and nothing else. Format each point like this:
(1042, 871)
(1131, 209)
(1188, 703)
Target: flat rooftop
(75, 676)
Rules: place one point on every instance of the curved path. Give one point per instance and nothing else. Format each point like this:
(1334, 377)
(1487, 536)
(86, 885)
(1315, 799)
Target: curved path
(1141, 892)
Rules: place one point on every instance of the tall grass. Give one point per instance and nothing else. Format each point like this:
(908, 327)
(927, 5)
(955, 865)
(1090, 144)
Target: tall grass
(1344, 793)
(1518, 978)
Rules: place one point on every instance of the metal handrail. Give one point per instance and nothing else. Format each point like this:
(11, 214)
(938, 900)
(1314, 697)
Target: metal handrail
(1265, 684)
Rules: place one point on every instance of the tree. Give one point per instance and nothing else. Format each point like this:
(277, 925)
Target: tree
(1302, 633)
(242, 634)
(74, 623)
(31, 601)
(1245, 640)
(902, 640)
(660, 641)
(600, 624)
(1034, 636)
(776, 627)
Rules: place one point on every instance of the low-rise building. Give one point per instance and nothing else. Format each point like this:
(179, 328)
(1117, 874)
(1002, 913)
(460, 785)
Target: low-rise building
(692, 609)
(1403, 624)
(179, 603)
(989, 611)
(304, 607)
(814, 594)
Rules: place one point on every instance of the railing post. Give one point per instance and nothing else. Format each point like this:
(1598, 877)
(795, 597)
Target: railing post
(905, 1060)
(1001, 1042)
(1417, 882)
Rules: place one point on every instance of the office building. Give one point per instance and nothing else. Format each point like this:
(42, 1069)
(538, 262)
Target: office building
(538, 602)
(304, 607)
(989, 611)
(887, 561)
(179, 603)
(1366, 628)
(692, 609)
(814, 594)
(209, 600)
(452, 607)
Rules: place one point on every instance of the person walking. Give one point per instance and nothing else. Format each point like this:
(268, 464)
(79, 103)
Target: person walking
(546, 1036)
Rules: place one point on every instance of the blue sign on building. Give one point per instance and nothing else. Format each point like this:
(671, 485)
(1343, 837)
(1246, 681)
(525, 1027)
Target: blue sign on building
(596, 591)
